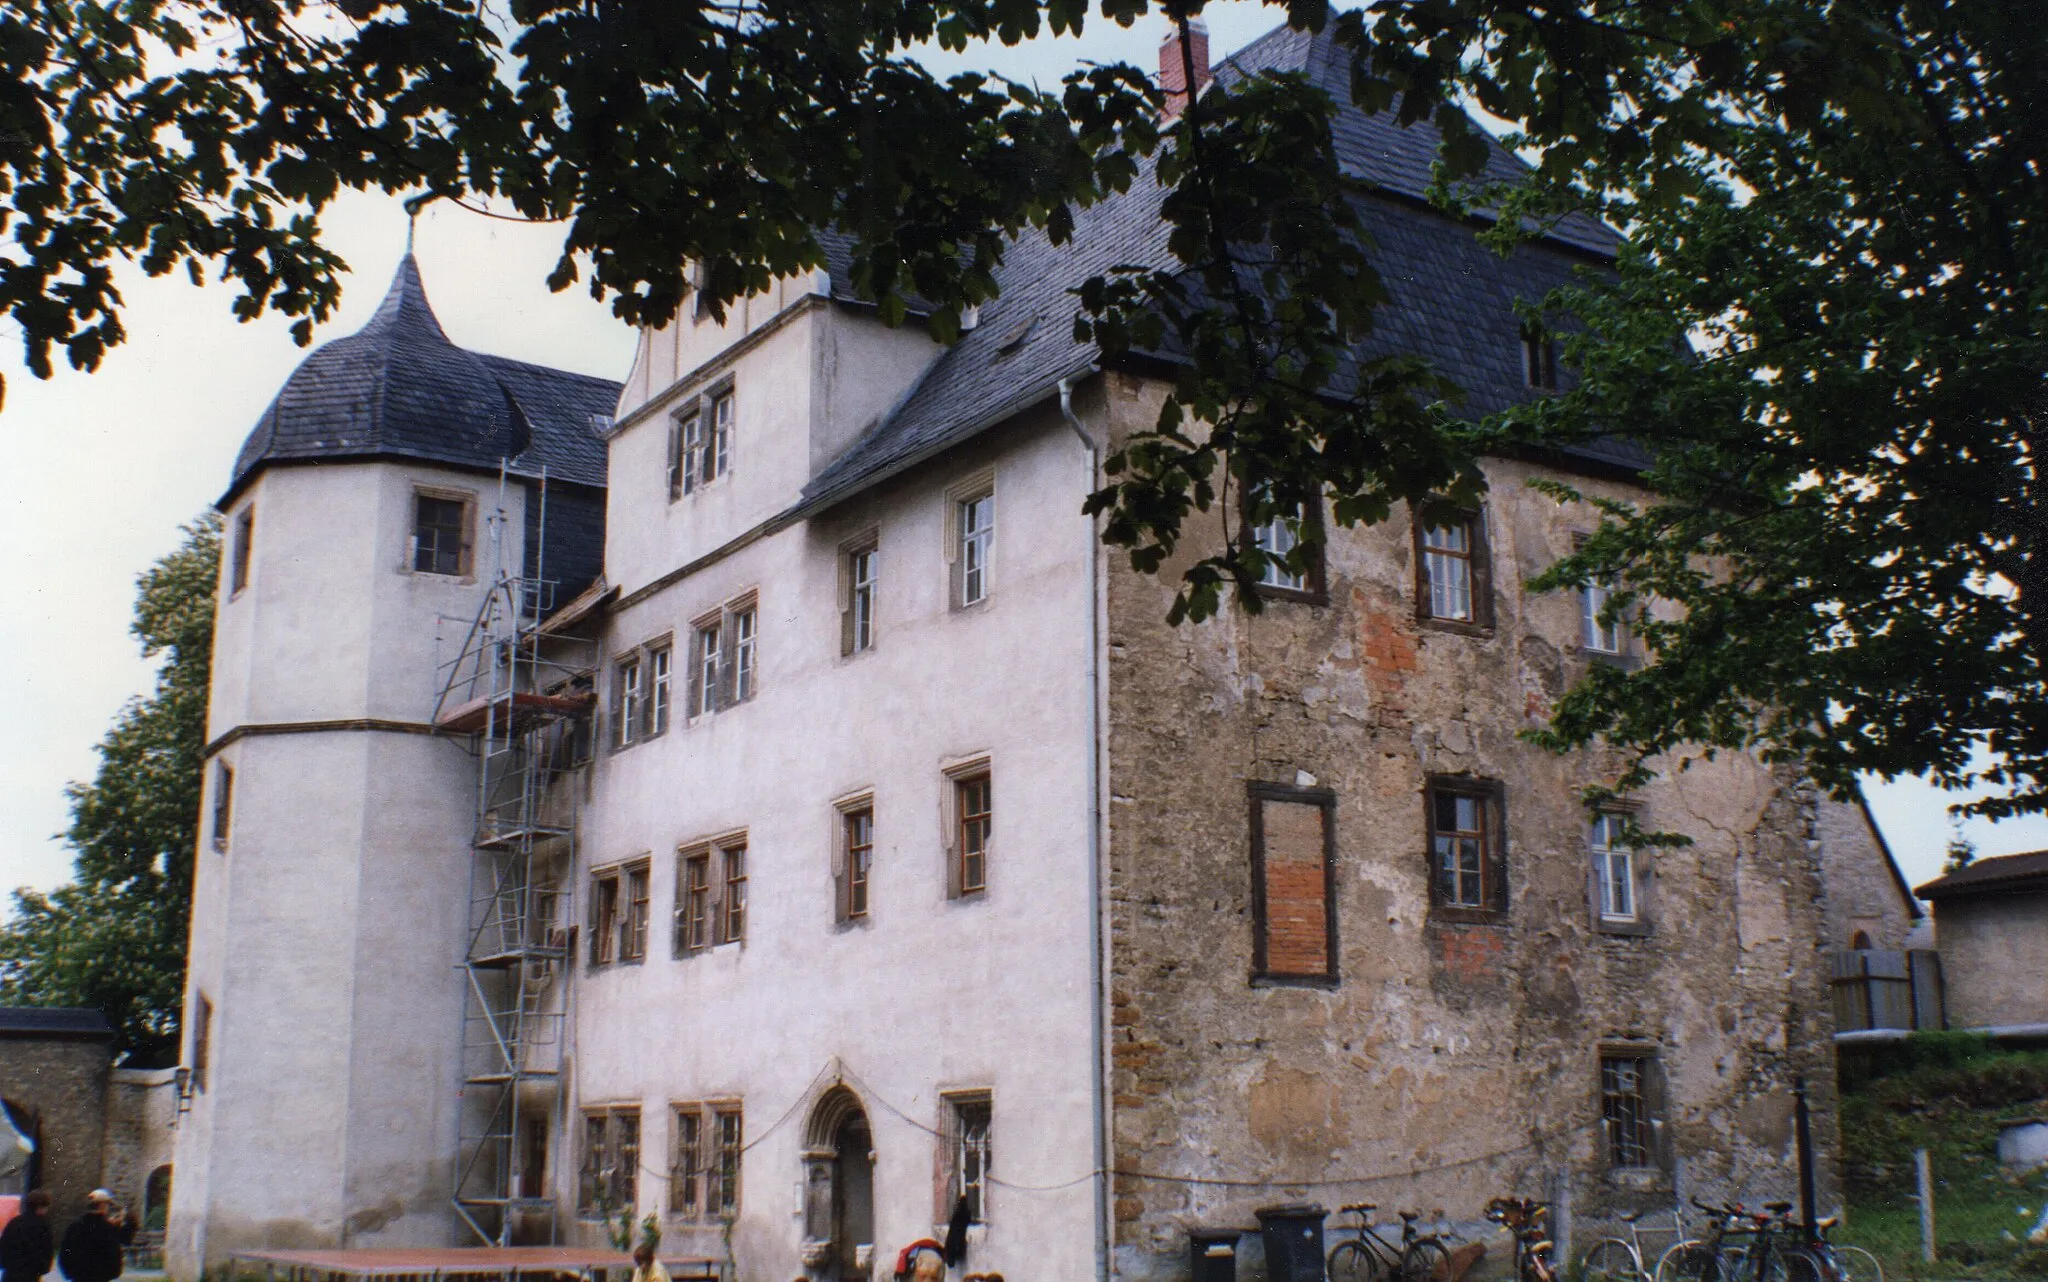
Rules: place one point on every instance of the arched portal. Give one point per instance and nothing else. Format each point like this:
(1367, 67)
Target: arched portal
(839, 1189)
(29, 1125)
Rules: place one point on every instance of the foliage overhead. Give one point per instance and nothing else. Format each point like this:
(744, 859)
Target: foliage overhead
(1826, 326)
(114, 936)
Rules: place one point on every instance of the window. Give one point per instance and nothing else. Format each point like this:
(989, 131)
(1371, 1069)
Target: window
(1614, 866)
(633, 923)
(724, 661)
(718, 445)
(861, 573)
(1276, 538)
(704, 671)
(533, 1158)
(439, 534)
(855, 861)
(970, 1117)
(660, 659)
(628, 703)
(223, 802)
(608, 1178)
(1453, 574)
(732, 927)
(693, 902)
(974, 519)
(740, 625)
(1539, 359)
(1628, 1108)
(202, 1039)
(727, 1134)
(1599, 635)
(238, 559)
(686, 1163)
(973, 829)
(604, 917)
(685, 445)
(1294, 913)
(1467, 870)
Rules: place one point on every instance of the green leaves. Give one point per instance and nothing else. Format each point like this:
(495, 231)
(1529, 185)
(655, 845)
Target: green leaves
(114, 936)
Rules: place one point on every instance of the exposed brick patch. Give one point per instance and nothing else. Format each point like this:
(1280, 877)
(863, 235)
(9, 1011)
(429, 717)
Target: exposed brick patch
(1471, 953)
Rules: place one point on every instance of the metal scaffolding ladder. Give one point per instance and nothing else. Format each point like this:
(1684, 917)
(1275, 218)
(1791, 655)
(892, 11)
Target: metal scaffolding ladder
(521, 696)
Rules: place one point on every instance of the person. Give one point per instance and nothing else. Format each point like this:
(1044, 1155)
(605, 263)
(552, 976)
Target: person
(27, 1245)
(645, 1267)
(91, 1251)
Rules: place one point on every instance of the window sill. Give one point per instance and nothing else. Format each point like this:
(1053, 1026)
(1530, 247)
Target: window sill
(1295, 981)
(1611, 659)
(1637, 929)
(1457, 627)
(1304, 596)
(1444, 916)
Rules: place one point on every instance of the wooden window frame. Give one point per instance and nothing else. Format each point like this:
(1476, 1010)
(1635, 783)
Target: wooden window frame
(604, 1165)
(466, 531)
(959, 779)
(696, 902)
(688, 1178)
(223, 803)
(636, 886)
(1539, 359)
(1314, 588)
(1639, 884)
(853, 875)
(1258, 793)
(241, 548)
(960, 500)
(953, 1125)
(732, 897)
(726, 1138)
(1493, 862)
(1478, 572)
(605, 890)
(859, 597)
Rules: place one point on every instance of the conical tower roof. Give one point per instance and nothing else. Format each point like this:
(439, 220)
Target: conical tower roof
(399, 389)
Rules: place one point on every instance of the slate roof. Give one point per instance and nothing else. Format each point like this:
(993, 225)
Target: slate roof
(1991, 876)
(54, 1021)
(1452, 299)
(398, 388)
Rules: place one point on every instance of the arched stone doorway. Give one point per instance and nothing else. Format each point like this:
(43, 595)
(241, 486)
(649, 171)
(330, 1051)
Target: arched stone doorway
(839, 1189)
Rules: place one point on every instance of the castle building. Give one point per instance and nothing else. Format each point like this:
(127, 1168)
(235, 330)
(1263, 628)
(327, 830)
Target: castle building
(753, 797)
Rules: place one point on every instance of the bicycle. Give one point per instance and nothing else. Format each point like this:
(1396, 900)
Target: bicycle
(1702, 1259)
(1834, 1262)
(1614, 1259)
(1369, 1257)
(1528, 1221)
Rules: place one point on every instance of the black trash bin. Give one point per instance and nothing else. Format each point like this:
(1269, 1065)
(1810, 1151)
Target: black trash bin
(1212, 1254)
(1294, 1242)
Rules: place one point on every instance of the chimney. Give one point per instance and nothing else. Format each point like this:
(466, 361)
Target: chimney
(1173, 69)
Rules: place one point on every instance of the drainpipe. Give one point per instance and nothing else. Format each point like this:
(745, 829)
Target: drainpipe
(1098, 901)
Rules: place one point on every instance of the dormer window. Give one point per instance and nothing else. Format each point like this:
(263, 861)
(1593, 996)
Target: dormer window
(700, 443)
(1539, 359)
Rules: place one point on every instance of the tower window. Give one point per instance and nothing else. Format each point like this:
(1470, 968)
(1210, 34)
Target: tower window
(440, 534)
(239, 550)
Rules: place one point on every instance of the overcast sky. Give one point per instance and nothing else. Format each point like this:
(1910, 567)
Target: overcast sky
(102, 469)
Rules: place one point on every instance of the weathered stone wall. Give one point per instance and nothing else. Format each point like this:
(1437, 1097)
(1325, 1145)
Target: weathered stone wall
(1451, 1062)
(62, 1083)
(142, 1112)
(1863, 890)
(1994, 951)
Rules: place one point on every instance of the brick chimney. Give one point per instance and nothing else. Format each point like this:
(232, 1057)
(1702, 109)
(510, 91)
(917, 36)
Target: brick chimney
(1173, 70)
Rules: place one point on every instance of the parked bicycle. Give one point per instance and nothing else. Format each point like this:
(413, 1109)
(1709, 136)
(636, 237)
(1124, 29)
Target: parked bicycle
(1368, 1256)
(1628, 1259)
(1529, 1222)
(1767, 1246)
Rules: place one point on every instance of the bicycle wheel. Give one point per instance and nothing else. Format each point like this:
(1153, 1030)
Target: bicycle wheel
(1426, 1260)
(1854, 1264)
(1351, 1262)
(1795, 1264)
(1610, 1260)
(1686, 1262)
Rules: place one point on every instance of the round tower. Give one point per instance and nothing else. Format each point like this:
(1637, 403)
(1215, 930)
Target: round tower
(393, 483)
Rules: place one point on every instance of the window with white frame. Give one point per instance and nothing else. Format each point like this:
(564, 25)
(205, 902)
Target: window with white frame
(628, 703)
(1277, 538)
(660, 662)
(970, 1120)
(706, 663)
(974, 522)
(1447, 564)
(860, 572)
(740, 627)
(725, 657)
(700, 442)
(1614, 868)
(1599, 633)
(711, 894)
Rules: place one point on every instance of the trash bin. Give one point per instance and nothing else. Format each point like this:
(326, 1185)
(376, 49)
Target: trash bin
(1212, 1254)
(1294, 1242)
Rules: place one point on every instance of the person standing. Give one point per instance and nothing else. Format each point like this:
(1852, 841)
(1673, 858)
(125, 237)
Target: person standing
(28, 1246)
(92, 1245)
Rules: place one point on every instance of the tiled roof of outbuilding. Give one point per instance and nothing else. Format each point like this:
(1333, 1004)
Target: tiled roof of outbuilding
(398, 388)
(1997, 875)
(1452, 299)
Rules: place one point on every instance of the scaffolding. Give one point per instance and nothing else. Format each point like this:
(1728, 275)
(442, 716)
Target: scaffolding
(520, 696)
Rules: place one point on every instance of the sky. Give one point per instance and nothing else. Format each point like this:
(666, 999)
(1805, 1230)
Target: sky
(104, 468)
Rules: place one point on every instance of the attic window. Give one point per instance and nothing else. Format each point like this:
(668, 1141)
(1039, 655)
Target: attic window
(1539, 359)
(1016, 338)
(440, 533)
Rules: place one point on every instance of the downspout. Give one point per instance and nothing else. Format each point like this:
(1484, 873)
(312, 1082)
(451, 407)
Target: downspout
(1097, 900)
